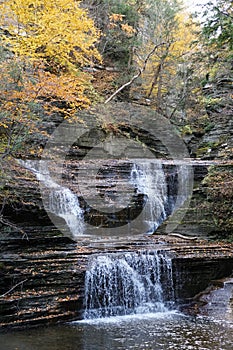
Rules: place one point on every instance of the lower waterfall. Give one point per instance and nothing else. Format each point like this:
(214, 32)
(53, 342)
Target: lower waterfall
(131, 283)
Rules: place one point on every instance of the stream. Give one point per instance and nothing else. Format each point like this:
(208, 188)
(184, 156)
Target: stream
(160, 327)
(161, 331)
(129, 299)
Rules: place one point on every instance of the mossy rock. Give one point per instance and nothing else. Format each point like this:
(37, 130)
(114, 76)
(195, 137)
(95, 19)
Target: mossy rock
(219, 190)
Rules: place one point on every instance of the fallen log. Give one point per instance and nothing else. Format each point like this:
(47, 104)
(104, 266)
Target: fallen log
(182, 236)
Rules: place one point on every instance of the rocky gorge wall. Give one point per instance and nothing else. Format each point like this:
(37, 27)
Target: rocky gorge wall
(21, 195)
(42, 280)
(42, 271)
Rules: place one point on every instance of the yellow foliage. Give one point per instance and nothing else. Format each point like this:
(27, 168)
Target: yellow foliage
(129, 30)
(57, 31)
(67, 88)
(183, 36)
(43, 87)
(116, 17)
(164, 64)
(51, 41)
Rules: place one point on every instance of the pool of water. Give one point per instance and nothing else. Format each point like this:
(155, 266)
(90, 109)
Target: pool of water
(167, 331)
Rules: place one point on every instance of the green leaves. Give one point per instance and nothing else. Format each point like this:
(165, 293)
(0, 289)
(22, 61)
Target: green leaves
(218, 24)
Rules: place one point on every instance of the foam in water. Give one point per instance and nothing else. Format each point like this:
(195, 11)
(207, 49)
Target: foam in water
(60, 200)
(133, 283)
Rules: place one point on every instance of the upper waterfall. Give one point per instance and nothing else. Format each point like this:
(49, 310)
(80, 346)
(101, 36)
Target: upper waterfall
(60, 200)
(129, 197)
(149, 179)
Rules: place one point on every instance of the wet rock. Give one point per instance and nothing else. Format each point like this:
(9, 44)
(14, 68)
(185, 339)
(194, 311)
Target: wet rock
(45, 280)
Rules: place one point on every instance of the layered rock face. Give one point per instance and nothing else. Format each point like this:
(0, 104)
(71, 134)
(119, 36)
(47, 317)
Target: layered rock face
(43, 271)
(211, 136)
(213, 140)
(43, 280)
(114, 145)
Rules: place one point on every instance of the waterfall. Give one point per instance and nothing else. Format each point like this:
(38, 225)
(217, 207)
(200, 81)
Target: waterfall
(149, 179)
(154, 181)
(133, 283)
(59, 200)
(164, 188)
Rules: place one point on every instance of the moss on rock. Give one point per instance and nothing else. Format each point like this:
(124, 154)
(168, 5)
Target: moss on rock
(219, 190)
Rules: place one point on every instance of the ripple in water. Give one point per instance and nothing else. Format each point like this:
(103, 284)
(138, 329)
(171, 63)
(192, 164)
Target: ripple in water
(170, 332)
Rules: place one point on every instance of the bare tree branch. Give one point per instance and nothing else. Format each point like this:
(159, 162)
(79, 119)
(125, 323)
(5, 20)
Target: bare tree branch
(6, 222)
(140, 71)
(10, 290)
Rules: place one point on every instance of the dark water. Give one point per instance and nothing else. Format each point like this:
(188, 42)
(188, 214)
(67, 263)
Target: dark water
(168, 331)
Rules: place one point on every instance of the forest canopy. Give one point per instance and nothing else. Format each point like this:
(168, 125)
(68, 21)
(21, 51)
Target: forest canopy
(58, 57)
(44, 46)
(61, 56)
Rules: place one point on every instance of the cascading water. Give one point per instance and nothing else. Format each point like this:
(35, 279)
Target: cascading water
(133, 283)
(60, 200)
(153, 180)
(149, 179)
(159, 185)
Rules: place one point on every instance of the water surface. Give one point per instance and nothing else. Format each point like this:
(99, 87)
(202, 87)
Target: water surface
(162, 331)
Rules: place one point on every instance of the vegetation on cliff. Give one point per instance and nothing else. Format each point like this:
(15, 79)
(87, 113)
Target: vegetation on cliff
(44, 46)
(219, 189)
(62, 56)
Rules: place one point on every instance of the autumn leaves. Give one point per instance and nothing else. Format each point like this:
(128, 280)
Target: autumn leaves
(44, 45)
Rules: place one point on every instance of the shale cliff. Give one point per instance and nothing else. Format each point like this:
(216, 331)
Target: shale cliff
(43, 271)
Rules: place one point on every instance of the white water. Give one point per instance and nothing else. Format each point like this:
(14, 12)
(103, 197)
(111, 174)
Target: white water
(58, 200)
(161, 198)
(127, 284)
(149, 179)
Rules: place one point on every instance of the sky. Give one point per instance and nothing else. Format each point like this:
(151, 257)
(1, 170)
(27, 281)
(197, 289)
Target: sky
(192, 5)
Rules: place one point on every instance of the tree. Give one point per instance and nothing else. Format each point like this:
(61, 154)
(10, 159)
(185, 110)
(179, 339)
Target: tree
(117, 21)
(57, 40)
(154, 62)
(218, 24)
(18, 111)
(165, 80)
(44, 46)
(58, 32)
